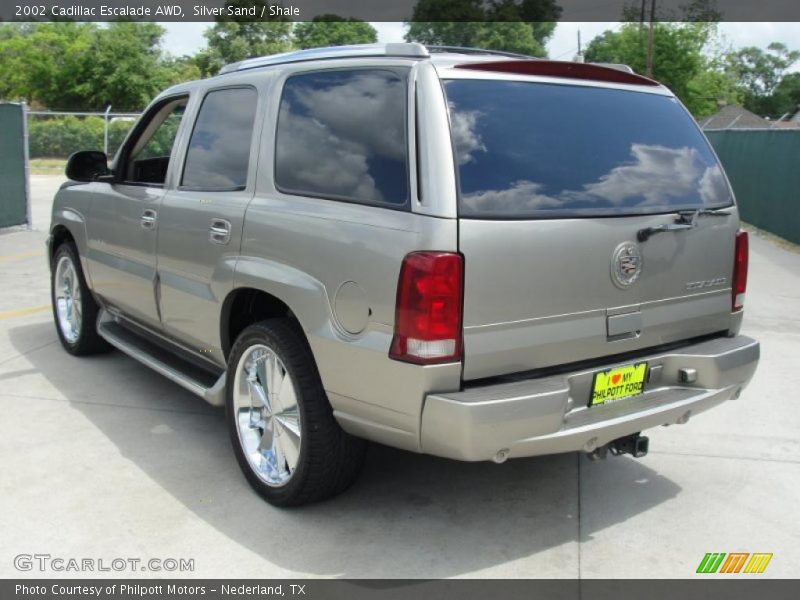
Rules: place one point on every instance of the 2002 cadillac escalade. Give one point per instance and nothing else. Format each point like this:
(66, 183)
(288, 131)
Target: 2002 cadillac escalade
(449, 251)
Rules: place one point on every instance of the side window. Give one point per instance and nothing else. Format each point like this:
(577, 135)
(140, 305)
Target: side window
(342, 135)
(148, 157)
(219, 149)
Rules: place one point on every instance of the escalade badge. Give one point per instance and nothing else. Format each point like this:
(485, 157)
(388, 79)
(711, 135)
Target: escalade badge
(626, 264)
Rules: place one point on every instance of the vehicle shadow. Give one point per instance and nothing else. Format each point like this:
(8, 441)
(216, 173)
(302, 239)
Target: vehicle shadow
(408, 515)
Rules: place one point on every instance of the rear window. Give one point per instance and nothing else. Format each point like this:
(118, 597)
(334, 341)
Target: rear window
(532, 149)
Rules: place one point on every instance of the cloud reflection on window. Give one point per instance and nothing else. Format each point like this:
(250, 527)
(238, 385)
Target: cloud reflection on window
(656, 176)
(342, 134)
(463, 125)
(531, 147)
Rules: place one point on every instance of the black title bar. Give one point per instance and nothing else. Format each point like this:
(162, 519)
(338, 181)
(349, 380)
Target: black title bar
(379, 10)
(375, 589)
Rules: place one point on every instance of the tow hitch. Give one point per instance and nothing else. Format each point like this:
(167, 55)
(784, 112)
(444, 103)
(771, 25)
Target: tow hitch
(636, 445)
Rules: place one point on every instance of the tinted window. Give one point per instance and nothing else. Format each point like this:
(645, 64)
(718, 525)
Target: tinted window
(342, 134)
(529, 149)
(219, 150)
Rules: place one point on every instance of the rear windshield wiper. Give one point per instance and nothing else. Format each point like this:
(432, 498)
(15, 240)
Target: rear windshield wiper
(686, 219)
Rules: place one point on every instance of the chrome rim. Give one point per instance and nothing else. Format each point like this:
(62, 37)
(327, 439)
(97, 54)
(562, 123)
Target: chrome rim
(68, 299)
(267, 415)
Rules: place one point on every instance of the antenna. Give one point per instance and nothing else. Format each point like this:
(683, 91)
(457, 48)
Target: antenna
(579, 55)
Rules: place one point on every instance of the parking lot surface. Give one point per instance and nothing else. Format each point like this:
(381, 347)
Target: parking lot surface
(102, 458)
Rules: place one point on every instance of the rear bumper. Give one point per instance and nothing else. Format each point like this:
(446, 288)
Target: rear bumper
(549, 415)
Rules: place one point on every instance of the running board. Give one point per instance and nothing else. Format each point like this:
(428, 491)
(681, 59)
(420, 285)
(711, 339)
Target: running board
(200, 382)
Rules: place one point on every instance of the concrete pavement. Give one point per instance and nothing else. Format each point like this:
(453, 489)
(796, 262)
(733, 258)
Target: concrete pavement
(102, 458)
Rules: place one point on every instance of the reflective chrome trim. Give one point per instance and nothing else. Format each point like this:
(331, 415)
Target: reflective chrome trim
(67, 298)
(410, 50)
(267, 415)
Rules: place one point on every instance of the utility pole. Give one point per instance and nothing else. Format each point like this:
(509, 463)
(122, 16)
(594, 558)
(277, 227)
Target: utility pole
(651, 39)
(641, 17)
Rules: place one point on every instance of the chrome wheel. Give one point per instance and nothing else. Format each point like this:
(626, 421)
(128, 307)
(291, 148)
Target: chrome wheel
(67, 297)
(267, 416)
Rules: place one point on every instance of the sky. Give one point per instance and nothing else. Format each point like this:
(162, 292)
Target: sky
(187, 38)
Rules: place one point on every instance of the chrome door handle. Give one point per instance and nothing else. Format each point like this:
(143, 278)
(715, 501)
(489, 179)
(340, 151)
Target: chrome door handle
(220, 231)
(148, 220)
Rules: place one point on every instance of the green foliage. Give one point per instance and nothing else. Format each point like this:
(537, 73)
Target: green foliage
(691, 11)
(508, 25)
(786, 97)
(232, 39)
(42, 62)
(331, 30)
(58, 137)
(123, 66)
(761, 73)
(680, 61)
(83, 66)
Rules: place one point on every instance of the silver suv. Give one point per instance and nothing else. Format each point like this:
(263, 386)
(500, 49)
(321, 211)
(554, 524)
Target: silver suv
(448, 251)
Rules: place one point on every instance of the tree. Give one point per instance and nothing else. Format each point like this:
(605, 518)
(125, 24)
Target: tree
(42, 63)
(83, 66)
(507, 25)
(123, 66)
(691, 11)
(232, 39)
(681, 61)
(332, 30)
(760, 72)
(786, 98)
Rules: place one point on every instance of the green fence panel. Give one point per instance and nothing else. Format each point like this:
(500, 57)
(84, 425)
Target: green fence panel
(764, 169)
(13, 161)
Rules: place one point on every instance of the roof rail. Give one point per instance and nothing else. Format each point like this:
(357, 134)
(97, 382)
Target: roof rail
(411, 50)
(467, 50)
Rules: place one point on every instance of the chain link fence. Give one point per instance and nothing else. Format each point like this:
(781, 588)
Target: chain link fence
(57, 134)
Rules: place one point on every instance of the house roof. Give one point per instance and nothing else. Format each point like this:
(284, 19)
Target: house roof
(734, 116)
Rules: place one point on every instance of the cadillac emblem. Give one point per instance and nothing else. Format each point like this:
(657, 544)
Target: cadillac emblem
(626, 264)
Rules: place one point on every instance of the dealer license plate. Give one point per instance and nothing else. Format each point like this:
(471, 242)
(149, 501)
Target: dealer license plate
(620, 382)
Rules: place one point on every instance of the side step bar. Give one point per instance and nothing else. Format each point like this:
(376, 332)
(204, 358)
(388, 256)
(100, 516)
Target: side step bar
(200, 382)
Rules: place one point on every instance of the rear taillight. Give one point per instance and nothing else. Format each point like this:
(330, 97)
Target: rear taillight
(740, 270)
(427, 325)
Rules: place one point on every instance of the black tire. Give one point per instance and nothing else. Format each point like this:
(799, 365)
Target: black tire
(330, 460)
(87, 341)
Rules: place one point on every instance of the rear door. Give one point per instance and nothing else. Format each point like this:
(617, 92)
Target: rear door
(556, 180)
(200, 226)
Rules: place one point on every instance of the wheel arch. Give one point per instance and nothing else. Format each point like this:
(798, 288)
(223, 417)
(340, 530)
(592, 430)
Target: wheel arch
(244, 306)
(59, 235)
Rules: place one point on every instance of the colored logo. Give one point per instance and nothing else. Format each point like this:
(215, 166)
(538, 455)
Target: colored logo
(734, 562)
(626, 264)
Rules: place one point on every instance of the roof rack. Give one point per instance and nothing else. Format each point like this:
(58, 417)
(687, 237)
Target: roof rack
(483, 51)
(410, 50)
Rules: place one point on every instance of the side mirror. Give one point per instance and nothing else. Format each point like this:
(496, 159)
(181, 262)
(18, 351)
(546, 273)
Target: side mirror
(87, 165)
